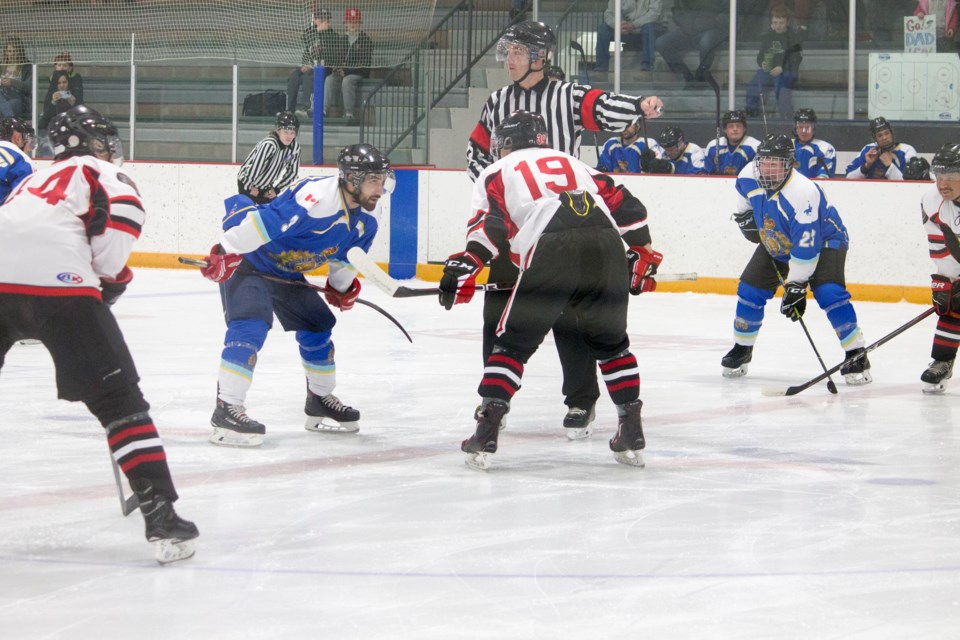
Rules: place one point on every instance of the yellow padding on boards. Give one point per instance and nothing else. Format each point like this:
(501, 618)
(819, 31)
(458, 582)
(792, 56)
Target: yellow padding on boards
(728, 286)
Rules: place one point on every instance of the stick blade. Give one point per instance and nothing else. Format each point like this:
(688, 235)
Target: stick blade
(371, 270)
(773, 392)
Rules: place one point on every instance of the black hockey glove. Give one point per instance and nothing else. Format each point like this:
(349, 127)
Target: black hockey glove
(112, 289)
(646, 158)
(659, 165)
(794, 301)
(459, 281)
(748, 225)
(946, 297)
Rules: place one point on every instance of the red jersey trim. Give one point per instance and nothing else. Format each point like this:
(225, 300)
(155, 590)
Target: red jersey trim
(586, 110)
(481, 137)
(49, 292)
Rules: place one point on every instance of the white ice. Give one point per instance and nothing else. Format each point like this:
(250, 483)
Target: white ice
(814, 517)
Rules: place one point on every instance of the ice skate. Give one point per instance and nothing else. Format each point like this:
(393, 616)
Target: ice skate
(857, 372)
(483, 443)
(936, 376)
(628, 441)
(578, 423)
(232, 427)
(171, 533)
(329, 415)
(503, 420)
(735, 363)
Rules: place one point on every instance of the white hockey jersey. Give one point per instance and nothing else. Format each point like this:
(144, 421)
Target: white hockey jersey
(67, 226)
(941, 221)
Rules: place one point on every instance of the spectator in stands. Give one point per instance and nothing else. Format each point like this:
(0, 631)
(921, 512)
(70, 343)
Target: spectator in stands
(679, 156)
(343, 84)
(16, 80)
(701, 25)
(815, 158)
(884, 158)
(779, 63)
(65, 89)
(639, 23)
(321, 45)
(274, 163)
(946, 14)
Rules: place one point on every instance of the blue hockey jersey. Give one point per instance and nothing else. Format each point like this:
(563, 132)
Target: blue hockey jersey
(15, 165)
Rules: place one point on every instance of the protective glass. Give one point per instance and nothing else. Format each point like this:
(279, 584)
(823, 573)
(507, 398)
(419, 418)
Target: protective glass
(110, 146)
(387, 180)
(507, 48)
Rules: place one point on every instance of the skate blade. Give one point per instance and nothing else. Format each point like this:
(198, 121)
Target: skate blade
(228, 438)
(934, 389)
(329, 425)
(172, 550)
(480, 460)
(579, 434)
(629, 457)
(28, 342)
(737, 372)
(858, 379)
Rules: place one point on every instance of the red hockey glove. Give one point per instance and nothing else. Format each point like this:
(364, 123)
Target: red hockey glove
(220, 265)
(459, 280)
(946, 297)
(113, 288)
(343, 300)
(642, 264)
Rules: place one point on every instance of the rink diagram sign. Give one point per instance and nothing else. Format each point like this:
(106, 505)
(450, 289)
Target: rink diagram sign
(914, 86)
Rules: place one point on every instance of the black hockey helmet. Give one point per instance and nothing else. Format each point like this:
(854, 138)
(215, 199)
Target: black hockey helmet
(82, 131)
(878, 124)
(733, 116)
(287, 120)
(917, 168)
(11, 125)
(778, 147)
(946, 159)
(805, 115)
(535, 36)
(358, 161)
(520, 130)
(555, 72)
(671, 137)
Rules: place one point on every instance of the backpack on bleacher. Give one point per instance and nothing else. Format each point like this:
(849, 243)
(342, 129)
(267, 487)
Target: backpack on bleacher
(268, 103)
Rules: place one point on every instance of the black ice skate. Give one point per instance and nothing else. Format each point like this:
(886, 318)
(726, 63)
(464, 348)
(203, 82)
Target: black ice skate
(857, 372)
(578, 422)
(163, 526)
(936, 376)
(503, 420)
(628, 442)
(232, 427)
(482, 444)
(735, 362)
(328, 414)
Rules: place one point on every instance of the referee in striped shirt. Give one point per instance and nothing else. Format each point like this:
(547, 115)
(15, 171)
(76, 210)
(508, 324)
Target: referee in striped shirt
(274, 163)
(568, 108)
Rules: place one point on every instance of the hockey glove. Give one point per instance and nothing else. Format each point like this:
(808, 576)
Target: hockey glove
(748, 225)
(113, 288)
(459, 279)
(642, 264)
(946, 297)
(647, 156)
(794, 301)
(343, 300)
(220, 264)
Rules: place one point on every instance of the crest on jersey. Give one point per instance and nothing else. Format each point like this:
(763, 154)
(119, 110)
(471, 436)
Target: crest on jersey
(776, 242)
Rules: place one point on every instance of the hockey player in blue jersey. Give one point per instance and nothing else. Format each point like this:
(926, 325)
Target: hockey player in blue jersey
(815, 158)
(623, 154)
(679, 156)
(16, 142)
(735, 150)
(800, 235)
(884, 158)
(312, 223)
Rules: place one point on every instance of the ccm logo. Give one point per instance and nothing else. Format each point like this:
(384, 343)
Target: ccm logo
(69, 278)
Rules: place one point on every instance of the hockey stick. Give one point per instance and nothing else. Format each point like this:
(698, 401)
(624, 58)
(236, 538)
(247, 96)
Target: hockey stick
(372, 271)
(792, 391)
(303, 283)
(716, 92)
(127, 504)
(831, 387)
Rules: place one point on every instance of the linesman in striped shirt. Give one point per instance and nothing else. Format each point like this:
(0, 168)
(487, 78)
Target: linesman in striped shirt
(274, 163)
(568, 108)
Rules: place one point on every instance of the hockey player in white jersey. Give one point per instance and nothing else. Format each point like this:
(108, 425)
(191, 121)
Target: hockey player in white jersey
(67, 233)
(940, 207)
(563, 222)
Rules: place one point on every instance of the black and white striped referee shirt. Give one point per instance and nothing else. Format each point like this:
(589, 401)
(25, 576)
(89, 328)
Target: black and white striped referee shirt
(568, 109)
(270, 165)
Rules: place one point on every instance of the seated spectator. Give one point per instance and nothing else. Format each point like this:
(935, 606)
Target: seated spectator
(734, 150)
(779, 63)
(701, 25)
(343, 84)
(321, 45)
(639, 23)
(16, 80)
(623, 154)
(679, 156)
(60, 96)
(815, 158)
(884, 158)
(947, 21)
